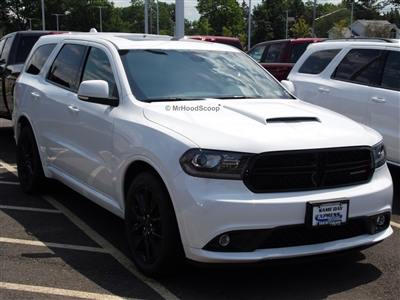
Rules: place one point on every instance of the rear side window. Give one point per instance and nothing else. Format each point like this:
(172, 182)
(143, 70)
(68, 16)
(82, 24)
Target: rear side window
(318, 61)
(38, 59)
(391, 72)
(6, 50)
(25, 45)
(297, 50)
(273, 53)
(65, 68)
(359, 65)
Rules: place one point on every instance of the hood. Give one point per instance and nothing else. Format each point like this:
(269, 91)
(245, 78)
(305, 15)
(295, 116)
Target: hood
(260, 125)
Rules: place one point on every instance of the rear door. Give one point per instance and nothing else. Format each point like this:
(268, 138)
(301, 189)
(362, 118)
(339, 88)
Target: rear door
(384, 104)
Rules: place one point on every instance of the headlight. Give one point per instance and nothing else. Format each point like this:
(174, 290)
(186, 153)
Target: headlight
(215, 164)
(379, 152)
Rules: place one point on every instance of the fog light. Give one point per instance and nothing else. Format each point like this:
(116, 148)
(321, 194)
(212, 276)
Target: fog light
(380, 220)
(224, 240)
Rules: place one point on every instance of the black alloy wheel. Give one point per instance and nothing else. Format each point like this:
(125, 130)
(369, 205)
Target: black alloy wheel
(30, 171)
(151, 227)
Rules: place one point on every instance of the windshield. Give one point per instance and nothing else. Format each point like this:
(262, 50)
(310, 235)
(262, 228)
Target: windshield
(163, 75)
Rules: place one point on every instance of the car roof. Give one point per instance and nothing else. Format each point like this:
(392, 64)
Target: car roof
(122, 41)
(344, 43)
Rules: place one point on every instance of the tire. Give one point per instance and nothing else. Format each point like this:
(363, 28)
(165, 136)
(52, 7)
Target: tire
(151, 227)
(29, 165)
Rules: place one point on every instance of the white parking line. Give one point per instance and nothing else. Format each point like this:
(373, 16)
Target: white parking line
(59, 292)
(395, 224)
(9, 168)
(9, 182)
(51, 245)
(119, 256)
(30, 209)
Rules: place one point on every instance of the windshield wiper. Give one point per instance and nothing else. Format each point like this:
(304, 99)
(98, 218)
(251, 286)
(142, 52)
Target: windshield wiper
(173, 99)
(238, 97)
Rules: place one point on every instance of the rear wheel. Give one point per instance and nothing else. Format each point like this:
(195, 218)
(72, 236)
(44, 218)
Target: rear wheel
(151, 227)
(30, 171)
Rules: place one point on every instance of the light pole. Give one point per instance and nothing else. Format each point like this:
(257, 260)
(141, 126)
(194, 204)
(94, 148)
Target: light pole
(57, 18)
(43, 17)
(30, 22)
(101, 22)
(249, 27)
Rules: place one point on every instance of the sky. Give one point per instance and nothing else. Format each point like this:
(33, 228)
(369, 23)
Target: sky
(190, 6)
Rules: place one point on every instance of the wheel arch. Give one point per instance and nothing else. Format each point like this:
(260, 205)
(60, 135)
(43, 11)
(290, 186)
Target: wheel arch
(21, 123)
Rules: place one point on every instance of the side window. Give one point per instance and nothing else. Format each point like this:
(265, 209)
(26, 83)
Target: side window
(359, 65)
(297, 50)
(65, 68)
(38, 59)
(98, 67)
(257, 53)
(2, 42)
(318, 61)
(25, 45)
(391, 72)
(273, 53)
(6, 50)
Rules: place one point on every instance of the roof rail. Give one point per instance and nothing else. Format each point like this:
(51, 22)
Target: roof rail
(360, 39)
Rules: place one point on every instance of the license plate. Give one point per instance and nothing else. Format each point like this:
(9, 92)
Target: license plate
(327, 213)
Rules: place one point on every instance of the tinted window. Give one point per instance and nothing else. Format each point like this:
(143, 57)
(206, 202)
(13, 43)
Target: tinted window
(391, 72)
(6, 50)
(38, 59)
(297, 51)
(359, 65)
(64, 70)
(2, 42)
(273, 53)
(24, 47)
(318, 61)
(257, 53)
(98, 67)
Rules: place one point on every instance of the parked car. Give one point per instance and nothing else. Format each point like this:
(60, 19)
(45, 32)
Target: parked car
(235, 42)
(202, 153)
(14, 48)
(279, 56)
(357, 78)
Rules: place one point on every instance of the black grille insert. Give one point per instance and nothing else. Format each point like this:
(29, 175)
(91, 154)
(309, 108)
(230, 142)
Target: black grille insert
(309, 169)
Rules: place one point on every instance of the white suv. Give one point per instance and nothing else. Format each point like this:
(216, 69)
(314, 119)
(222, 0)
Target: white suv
(199, 150)
(357, 78)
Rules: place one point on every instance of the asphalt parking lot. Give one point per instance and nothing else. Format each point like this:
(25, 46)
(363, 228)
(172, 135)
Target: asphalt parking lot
(59, 245)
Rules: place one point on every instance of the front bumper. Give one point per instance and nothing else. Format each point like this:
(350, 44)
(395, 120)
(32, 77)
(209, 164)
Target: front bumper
(206, 208)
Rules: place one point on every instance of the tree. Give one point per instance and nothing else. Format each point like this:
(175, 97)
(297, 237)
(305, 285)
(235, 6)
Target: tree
(339, 29)
(375, 29)
(269, 21)
(365, 9)
(220, 14)
(300, 29)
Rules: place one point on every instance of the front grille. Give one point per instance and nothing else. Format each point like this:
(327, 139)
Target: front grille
(309, 169)
(301, 235)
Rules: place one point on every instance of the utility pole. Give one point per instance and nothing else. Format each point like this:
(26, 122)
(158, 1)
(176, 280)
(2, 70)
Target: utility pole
(287, 16)
(43, 17)
(314, 15)
(146, 17)
(101, 21)
(158, 20)
(249, 27)
(180, 18)
(351, 18)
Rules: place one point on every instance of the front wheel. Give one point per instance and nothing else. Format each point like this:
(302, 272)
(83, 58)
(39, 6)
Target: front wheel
(29, 165)
(151, 227)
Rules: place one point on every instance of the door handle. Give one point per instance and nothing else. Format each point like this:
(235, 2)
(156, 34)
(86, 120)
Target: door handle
(73, 109)
(323, 90)
(35, 95)
(378, 100)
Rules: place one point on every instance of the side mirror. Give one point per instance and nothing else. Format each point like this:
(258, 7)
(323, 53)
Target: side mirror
(96, 91)
(289, 86)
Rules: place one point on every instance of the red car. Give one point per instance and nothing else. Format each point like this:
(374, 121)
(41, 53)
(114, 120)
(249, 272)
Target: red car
(279, 56)
(235, 42)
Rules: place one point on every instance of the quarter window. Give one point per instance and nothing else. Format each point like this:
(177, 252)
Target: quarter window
(64, 70)
(39, 58)
(359, 65)
(318, 61)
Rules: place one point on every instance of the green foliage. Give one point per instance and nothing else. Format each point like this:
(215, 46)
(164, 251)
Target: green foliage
(339, 29)
(375, 29)
(300, 29)
(220, 14)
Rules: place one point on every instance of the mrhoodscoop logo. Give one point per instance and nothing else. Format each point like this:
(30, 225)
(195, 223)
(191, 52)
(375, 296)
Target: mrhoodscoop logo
(200, 108)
